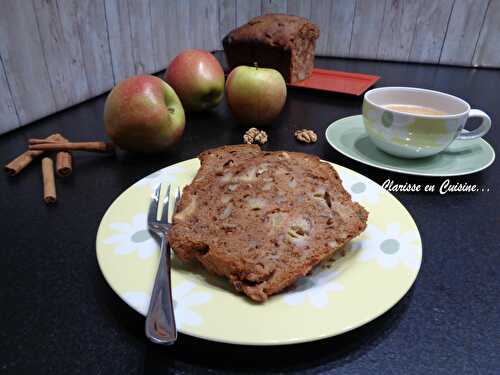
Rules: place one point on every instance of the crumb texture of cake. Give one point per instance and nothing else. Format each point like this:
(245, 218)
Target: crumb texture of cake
(263, 219)
(279, 41)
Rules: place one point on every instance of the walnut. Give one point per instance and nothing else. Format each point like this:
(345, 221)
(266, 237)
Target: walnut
(306, 136)
(254, 135)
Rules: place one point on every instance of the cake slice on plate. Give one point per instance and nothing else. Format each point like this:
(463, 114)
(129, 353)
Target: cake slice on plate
(263, 219)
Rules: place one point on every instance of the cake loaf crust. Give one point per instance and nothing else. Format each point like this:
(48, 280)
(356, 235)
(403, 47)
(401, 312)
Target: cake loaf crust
(279, 41)
(263, 219)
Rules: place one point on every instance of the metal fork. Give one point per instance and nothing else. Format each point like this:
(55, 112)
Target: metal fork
(160, 321)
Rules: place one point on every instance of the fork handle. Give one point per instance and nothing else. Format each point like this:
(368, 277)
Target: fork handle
(160, 322)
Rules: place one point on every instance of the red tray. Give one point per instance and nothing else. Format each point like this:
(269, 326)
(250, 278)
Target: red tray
(337, 81)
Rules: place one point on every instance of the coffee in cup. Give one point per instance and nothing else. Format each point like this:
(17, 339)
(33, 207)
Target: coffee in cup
(415, 109)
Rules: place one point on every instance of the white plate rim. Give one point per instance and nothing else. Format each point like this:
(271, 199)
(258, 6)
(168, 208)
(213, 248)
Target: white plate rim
(292, 341)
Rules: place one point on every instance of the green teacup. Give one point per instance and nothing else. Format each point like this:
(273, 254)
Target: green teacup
(413, 134)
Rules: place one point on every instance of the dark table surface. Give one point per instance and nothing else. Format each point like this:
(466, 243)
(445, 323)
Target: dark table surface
(58, 315)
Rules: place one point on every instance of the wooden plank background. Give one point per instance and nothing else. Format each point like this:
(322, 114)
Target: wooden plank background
(56, 53)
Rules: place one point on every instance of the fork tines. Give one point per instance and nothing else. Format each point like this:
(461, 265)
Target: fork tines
(153, 207)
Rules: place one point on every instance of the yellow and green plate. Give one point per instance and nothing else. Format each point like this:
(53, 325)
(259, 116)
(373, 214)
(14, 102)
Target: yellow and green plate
(348, 136)
(376, 271)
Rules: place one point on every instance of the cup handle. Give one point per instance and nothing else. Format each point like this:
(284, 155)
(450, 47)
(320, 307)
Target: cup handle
(480, 130)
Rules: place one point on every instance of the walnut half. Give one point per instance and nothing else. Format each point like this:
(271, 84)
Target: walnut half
(306, 136)
(254, 135)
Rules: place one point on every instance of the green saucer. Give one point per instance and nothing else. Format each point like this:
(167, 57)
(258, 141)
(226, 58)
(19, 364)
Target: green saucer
(348, 136)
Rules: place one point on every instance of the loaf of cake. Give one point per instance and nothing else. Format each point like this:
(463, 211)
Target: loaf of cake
(279, 41)
(263, 219)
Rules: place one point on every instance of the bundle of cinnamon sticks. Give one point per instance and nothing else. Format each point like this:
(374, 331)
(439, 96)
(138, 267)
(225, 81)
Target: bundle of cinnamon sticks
(64, 159)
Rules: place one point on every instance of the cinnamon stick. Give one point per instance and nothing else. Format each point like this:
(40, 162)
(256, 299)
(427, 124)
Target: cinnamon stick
(38, 141)
(64, 161)
(23, 160)
(73, 146)
(64, 164)
(49, 184)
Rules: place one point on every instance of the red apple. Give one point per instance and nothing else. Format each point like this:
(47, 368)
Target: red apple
(197, 77)
(255, 95)
(144, 114)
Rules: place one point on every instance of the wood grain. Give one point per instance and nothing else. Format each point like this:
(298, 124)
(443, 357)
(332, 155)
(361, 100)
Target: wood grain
(24, 62)
(341, 22)
(198, 26)
(227, 18)
(118, 26)
(63, 53)
(163, 24)
(366, 28)
(487, 51)
(247, 9)
(184, 32)
(320, 15)
(168, 31)
(398, 28)
(299, 8)
(7, 109)
(463, 31)
(203, 20)
(212, 40)
(430, 30)
(75, 49)
(96, 52)
(273, 6)
(141, 36)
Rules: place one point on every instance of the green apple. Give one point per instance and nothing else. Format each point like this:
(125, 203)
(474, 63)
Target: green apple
(144, 114)
(255, 95)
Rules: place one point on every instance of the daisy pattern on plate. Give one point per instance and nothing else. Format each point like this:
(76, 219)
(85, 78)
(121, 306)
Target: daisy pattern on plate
(361, 190)
(133, 236)
(314, 289)
(184, 302)
(391, 247)
(168, 175)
